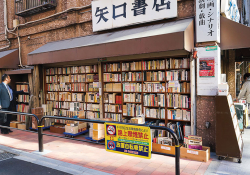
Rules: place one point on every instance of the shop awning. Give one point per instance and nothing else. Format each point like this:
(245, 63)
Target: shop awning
(234, 35)
(19, 71)
(9, 59)
(177, 35)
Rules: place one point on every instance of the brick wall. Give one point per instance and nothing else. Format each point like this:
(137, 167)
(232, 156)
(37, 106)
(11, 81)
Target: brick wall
(231, 73)
(206, 112)
(67, 25)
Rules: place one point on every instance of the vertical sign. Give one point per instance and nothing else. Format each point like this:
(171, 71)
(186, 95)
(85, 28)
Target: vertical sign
(128, 139)
(207, 20)
(107, 14)
(208, 70)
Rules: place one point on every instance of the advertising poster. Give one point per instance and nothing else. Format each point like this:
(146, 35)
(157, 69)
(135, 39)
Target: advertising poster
(206, 67)
(128, 139)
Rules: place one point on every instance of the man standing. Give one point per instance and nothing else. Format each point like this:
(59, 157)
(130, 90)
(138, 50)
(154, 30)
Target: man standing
(5, 98)
(13, 94)
(245, 90)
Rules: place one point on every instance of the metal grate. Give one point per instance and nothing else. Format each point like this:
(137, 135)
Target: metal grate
(6, 155)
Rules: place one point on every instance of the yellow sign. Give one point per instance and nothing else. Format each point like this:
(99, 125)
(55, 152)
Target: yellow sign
(128, 139)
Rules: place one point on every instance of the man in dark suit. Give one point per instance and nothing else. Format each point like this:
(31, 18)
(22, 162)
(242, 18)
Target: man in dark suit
(12, 106)
(5, 98)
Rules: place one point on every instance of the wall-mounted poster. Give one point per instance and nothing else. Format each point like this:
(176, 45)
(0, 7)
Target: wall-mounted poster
(208, 70)
(207, 67)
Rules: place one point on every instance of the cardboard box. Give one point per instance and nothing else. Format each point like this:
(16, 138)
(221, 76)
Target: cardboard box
(60, 129)
(71, 129)
(97, 126)
(21, 126)
(223, 89)
(137, 120)
(13, 124)
(194, 154)
(191, 137)
(98, 134)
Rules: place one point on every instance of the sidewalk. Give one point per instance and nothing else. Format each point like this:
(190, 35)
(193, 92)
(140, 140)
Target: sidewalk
(95, 157)
(231, 166)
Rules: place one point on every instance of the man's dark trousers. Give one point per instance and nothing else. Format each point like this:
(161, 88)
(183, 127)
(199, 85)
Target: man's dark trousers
(4, 124)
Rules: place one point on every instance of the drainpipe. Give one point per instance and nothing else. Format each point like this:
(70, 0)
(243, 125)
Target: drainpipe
(5, 24)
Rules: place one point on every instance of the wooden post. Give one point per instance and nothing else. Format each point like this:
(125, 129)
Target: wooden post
(36, 85)
(100, 86)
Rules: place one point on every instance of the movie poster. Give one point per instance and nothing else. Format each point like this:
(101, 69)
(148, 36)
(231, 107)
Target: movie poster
(206, 67)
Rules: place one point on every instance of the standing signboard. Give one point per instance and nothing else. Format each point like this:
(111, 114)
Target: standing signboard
(208, 70)
(207, 20)
(128, 139)
(108, 14)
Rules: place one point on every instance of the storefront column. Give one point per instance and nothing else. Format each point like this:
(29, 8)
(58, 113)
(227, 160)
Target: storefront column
(100, 89)
(36, 86)
(206, 111)
(231, 73)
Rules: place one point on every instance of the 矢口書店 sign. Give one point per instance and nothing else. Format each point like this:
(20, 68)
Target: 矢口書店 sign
(108, 14)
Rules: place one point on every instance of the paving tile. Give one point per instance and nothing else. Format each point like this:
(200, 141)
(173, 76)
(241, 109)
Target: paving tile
(188, 170)
(130, 172)
(158, 173)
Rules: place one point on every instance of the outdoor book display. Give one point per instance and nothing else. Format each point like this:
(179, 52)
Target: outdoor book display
(22, 105)
(71, 92)
(229, 142)
(157, 88)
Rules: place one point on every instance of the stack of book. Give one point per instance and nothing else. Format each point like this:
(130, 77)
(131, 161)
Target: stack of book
(107, 77)
(177, 63)
(134, 66)
(155, 113)
(178, 101)
(131, 76)
(179, 114)
(154, 100)
(132, 109)
(132, 87)
(78, 87)
(178, 75)
(154, 87)
(154, 76)
(24, 87)
(23, 98)
(78, 78)
(64, 79)
(112, 87)
(113, 67)
(132, 97)
(155, 64)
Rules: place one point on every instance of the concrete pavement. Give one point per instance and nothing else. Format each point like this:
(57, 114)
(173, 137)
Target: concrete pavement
(230, 165)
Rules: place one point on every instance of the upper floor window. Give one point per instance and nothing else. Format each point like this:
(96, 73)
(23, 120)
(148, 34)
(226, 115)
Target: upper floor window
(28, 7)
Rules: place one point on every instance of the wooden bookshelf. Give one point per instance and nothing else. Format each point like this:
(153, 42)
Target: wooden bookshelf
(137, 71)
(22, 100)
(76, 82)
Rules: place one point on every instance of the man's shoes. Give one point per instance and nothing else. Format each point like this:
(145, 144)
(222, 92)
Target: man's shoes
(4, 132)
(10, 130)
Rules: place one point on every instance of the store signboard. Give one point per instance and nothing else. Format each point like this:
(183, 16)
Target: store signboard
(128, 139)
(108, 14)
(229, 9)
(207, 20)
(209, 70)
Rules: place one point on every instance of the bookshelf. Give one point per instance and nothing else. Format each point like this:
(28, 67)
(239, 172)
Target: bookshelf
(229, 142)
(65, 86)
(22, 103)
(158, 88)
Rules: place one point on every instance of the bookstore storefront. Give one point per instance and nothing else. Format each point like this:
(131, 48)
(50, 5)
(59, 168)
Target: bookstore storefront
(122, 75)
